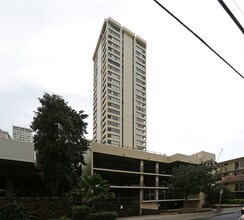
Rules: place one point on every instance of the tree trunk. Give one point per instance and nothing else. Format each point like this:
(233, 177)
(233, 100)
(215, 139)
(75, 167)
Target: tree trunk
(185, 202)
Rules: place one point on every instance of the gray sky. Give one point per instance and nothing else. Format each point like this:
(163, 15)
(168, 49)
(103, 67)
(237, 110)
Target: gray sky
(194, 100)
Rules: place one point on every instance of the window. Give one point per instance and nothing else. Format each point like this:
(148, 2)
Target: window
(113, 99)
(140, 71)
(113, 45)
(149, 194)
(113, 50)
(113, 75)
(116, 88)
(113, 33)
(113, 130)
(115, 124)
(113, 105)
(113, 68)
(113, 57)
(140, 66)
(115, 118)
(113, 27)
(113, 62)
(113, 39)
(113, 111)
(113, 142)
(140, 49)
(239, 187)
(113, 81)
(113, 136)
(140, 109)
(140, 76)
(113, 93)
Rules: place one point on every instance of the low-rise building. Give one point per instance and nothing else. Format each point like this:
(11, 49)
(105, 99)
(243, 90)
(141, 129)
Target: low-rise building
(232, 175)
(18, 173)
(139, 178)
(4, 134)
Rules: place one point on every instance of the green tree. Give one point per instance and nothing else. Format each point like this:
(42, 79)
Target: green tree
(93, 188)
(212, 196)
(59, 142)
(192, 179)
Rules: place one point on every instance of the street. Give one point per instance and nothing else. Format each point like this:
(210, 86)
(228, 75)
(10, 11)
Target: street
(227, 214)
(231, 216)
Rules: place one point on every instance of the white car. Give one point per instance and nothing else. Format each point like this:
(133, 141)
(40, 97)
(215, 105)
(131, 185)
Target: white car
(242, 217)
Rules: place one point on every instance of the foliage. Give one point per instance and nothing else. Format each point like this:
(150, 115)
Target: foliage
(102, 216)
(59, 143)
(15, 211)
(212, 196)
(62, 218)
(80, 212)
(192, 179)
(233, 201)
(92, 188)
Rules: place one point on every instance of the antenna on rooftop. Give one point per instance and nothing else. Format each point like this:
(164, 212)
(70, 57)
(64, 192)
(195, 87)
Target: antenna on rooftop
(219, 154)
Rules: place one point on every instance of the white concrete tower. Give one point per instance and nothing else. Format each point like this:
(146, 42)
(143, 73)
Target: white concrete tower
(119, 90)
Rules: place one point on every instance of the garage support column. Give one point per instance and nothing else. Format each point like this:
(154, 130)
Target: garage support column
(9, 187)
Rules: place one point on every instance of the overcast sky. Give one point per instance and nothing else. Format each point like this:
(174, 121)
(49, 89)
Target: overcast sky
(194, 100)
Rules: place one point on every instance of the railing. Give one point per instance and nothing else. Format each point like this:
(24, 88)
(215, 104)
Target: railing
(231, 179)
(128, 147)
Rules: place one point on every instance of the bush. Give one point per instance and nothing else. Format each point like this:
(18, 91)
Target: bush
(102, 216)
(15, 211)
(80, 212)
(233, 201)
(61, 218)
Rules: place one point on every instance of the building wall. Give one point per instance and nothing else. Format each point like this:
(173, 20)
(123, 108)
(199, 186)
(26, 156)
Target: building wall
(22, 134)
(16, 150)
(128, 70)
(232, 172)
(139, 176)
(4, 134)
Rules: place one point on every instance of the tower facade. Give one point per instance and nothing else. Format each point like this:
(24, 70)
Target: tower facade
(22, 134)
(119, 90)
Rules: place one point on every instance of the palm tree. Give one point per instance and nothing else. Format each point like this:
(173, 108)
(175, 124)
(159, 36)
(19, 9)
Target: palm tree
(92, 188)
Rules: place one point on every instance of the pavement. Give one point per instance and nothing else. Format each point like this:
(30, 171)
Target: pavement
(183, 216)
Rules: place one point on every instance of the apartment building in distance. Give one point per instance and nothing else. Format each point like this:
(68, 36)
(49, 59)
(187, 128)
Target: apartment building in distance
(22, 134)
(119, 90)
(4, 134)
(232, 173)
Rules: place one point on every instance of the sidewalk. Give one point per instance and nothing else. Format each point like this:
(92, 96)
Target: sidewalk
(185, 216)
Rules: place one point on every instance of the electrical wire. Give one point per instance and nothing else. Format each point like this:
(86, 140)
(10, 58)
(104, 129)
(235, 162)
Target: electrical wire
(238, 7)
(199, 38)
(232, 16)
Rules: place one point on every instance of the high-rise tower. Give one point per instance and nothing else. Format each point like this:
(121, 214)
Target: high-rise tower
(119, 90)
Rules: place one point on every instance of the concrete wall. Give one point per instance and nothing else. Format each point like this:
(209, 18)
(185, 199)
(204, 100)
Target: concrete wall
(128, 111)
(16, 150)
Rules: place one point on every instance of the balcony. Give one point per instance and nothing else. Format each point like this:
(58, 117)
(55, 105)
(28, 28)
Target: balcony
(233, 178)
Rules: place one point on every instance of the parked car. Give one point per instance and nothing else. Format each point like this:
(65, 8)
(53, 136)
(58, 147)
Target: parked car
(242, 209)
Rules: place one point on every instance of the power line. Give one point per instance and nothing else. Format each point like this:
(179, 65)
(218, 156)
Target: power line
(199, 38)
(225, 7)
(238, 7)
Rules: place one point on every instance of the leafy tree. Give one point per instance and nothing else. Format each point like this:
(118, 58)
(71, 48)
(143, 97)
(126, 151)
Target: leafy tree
(192, 179)
(59, 143)
(93, 188)
(212, 196)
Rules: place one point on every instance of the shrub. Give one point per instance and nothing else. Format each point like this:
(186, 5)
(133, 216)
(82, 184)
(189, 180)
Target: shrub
(102, 216)
(80, 212)
(15, 211)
